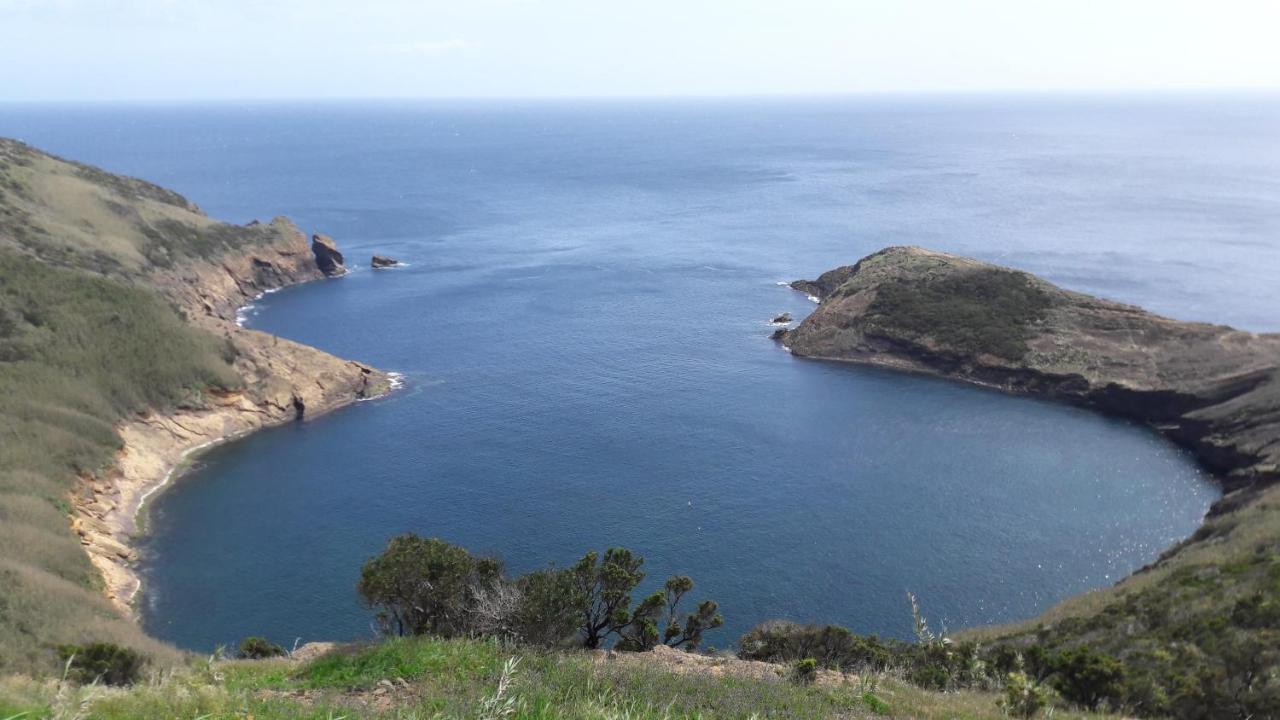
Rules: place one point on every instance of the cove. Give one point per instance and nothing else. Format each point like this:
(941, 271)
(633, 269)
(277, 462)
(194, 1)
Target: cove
(786, 488)
(583, 329)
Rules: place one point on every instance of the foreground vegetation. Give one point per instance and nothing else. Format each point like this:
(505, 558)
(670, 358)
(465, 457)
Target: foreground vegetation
(425, 586)
(412, 678)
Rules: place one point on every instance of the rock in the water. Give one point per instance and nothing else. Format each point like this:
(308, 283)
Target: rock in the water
(779, 334)
(328, 259)
(783, 318)
(381, 261)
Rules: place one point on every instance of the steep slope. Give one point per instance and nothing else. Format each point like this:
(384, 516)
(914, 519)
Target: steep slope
(119, 354)
(1201, 626)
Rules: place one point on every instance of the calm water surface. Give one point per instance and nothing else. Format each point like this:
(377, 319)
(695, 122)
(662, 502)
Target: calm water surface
(583, 329)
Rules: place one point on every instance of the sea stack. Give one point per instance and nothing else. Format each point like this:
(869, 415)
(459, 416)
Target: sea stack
(382, 261)
(328, 259)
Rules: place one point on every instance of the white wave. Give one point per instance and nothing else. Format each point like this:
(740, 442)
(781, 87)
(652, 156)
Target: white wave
(395, 381)
(246, 312)
(814, 298)
(783, 283)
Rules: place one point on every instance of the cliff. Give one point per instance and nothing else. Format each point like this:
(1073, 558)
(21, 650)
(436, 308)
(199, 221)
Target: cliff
(120, 355)
(1211, 388)
(282, 381)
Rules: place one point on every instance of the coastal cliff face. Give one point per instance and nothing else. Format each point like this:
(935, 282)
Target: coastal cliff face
(283, 381)
(1211, 388)
(124, 249)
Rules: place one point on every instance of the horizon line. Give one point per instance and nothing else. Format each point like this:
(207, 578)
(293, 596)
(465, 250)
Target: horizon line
(641, 97)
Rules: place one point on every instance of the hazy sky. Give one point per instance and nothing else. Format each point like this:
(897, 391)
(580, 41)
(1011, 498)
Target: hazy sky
(227, 49)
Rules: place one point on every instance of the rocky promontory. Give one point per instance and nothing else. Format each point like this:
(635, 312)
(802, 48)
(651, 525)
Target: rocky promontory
(1211, 388)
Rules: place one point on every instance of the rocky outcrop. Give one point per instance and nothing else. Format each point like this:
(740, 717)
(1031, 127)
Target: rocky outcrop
(381, 261)
(328, 259)
(783, 319)
(216, 289)
(1211, 388)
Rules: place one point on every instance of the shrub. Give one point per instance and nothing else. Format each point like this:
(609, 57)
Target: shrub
(805, 672)
(1023, 697)
(425, 586)
(545, 615)
(1088, 678)
(102, 662)
(257, 648)
(831, 645)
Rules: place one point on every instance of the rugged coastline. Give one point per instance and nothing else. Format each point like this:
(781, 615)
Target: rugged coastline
(284, 382)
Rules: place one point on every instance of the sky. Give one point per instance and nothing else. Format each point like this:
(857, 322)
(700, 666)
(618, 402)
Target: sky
(157, 50)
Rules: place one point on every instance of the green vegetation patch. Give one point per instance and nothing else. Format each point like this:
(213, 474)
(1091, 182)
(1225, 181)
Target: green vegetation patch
(402, 658)
(983, 311)
(78, 353)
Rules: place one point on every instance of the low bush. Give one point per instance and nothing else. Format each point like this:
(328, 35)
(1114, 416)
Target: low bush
(102, 662)
(1023, 697)
(805, 672)
(257, 648)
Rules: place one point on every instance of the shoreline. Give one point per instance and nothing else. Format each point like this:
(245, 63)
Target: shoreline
(286, 382)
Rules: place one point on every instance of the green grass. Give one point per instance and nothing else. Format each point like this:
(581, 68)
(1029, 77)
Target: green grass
(77, 216)
(459, 678)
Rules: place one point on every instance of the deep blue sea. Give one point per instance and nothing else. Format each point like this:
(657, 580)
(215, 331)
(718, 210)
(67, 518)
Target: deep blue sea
(583, 330)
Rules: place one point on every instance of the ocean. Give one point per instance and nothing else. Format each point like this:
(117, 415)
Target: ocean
(582, 328)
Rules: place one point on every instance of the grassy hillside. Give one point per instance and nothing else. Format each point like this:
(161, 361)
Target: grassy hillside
(426, 678)
(78, 353)
(1198, 633)
(84, 343)
(75, 215)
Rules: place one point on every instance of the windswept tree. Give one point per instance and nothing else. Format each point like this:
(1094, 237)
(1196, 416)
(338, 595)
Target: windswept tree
(603, 590)
(425, 586)
(656, 620)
